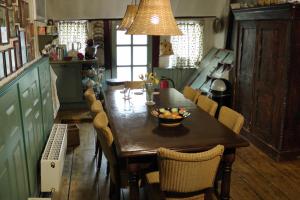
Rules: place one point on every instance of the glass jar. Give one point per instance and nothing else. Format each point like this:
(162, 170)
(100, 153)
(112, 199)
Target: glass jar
(149, 87)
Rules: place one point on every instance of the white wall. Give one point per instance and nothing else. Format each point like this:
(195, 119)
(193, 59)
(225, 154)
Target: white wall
(115, 9)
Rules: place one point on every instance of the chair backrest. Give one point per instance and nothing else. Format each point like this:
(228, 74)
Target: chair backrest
(106, 138)
(90, 97)
(197, 94)
(134, 84)
(207, 104)
(189, 93)
(231, 119)
(188, 172)
(96, 108)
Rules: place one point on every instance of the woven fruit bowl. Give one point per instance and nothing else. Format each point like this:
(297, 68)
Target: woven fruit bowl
(170, 116)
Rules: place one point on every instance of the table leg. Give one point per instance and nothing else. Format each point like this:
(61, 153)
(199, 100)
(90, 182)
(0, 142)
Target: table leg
(133, 186)
(133, 181)
(228, 160)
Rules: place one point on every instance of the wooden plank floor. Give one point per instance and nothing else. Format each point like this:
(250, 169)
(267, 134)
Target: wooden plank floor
(254, 176)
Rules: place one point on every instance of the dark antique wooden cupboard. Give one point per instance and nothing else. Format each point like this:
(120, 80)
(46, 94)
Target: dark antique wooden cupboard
(267, 77)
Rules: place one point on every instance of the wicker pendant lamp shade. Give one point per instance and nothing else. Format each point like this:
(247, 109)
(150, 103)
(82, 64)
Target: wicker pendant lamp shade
(128, 17)
(154, 17)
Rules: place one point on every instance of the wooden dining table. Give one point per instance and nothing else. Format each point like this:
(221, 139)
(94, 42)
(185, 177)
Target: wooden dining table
(137, 134)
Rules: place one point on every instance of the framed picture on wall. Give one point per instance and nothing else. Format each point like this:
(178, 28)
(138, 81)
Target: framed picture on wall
(7, 62)
(4, 26)
(2, 66)
(3, 1)
(13, 60)
(17, 14)
(18, 54)
(12, 27)
(23, 48)
(9, 3)
(40, 8)
(24, 13)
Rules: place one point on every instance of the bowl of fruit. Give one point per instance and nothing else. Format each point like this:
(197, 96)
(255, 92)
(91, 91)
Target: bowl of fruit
(170, 116)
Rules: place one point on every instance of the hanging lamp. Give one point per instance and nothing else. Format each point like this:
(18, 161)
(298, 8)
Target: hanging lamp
(154, 17)
(128, 17)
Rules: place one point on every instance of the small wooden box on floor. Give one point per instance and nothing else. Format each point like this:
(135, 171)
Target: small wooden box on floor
(73, 135)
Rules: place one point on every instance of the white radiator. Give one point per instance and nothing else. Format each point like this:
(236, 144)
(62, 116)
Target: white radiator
(52, 162)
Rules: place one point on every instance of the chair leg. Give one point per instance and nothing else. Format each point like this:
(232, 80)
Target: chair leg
(111, 189)
(208, 195)
(97, 144)
(114, 191)
(107, 168)
(99, 157)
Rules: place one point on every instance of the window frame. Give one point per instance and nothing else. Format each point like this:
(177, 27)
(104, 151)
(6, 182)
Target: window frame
(131, 45)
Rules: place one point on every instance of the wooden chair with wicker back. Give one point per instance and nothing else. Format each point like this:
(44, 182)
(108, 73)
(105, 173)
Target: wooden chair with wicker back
(207, 104)
(231, 119)
(96, 108)
(189, 93)
(134, 84)
(184, 175)
(106, 139)
(197, 94)
(90, 97)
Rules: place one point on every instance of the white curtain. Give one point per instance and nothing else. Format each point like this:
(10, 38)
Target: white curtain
(188, 48)
(73, 32)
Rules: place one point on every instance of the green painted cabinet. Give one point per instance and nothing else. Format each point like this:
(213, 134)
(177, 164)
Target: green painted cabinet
(69, 86)
(13, 171)
(26, 118)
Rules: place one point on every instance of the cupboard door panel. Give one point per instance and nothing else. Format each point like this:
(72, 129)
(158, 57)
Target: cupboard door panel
(13, 173)
(6, 191)
(19, 170)
(47, 106)
(32, 123)
(244, 80)
(31, 152)
(270, 80)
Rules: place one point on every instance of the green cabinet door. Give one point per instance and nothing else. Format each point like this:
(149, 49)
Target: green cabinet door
(13, 172)
(46, 97)
(32, 123)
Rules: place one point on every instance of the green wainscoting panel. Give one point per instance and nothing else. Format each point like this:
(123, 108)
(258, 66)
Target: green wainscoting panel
(32, 123)
(13, 171)
(26, 117)
(46, 97)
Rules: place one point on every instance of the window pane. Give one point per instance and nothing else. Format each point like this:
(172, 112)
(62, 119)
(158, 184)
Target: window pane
(140, 55)
(137, 71)
(123, 56)
(73, 33)
(124, 73)
(139, 39)
(122, 38)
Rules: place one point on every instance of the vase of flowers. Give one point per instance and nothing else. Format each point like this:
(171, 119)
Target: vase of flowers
(150, 81)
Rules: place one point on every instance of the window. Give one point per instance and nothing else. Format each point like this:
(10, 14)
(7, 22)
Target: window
(131, 54)
(188, 48)
(73, 33)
